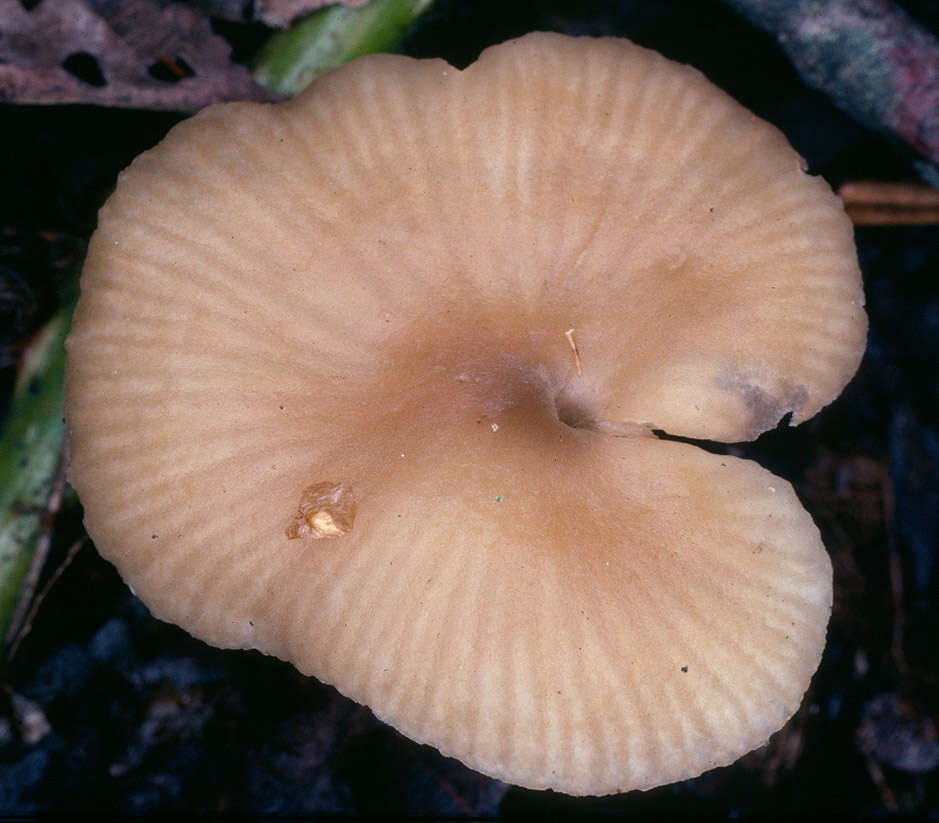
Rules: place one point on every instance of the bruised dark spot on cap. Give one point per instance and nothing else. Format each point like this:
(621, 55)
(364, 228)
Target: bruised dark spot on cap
(766, 409)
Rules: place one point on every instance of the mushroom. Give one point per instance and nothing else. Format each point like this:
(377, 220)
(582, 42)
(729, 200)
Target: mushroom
(368, 381)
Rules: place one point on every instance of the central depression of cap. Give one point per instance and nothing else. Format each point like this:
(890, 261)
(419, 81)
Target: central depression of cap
(365, 381)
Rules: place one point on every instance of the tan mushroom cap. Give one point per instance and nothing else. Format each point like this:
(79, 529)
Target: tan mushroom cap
(364, 381)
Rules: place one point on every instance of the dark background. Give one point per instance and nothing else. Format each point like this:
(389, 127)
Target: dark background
(104, 708)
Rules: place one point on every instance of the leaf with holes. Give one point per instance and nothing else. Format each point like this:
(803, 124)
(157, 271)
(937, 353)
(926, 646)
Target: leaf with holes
(275, 13)
(132, 53)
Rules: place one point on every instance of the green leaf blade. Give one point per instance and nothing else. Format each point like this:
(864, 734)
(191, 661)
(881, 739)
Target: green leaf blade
(292, 59)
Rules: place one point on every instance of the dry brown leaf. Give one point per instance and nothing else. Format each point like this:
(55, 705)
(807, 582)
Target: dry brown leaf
(132, 53)
(281, 13)
(276, 13)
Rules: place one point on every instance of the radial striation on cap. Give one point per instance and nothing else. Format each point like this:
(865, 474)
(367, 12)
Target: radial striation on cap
(366, 381)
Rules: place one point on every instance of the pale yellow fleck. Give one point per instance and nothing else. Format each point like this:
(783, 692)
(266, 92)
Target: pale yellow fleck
(325, 510)
(323, 522)
(569, 334)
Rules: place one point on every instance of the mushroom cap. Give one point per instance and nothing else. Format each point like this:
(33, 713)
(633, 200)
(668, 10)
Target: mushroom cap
(365, 380)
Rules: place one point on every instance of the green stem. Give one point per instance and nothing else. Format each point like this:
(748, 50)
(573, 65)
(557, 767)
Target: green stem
(292, 59)
(30, 450)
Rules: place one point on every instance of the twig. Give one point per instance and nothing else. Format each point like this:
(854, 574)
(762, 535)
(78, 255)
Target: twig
(871, 203)
(888, 798)
(896, 579)
(37, 600)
